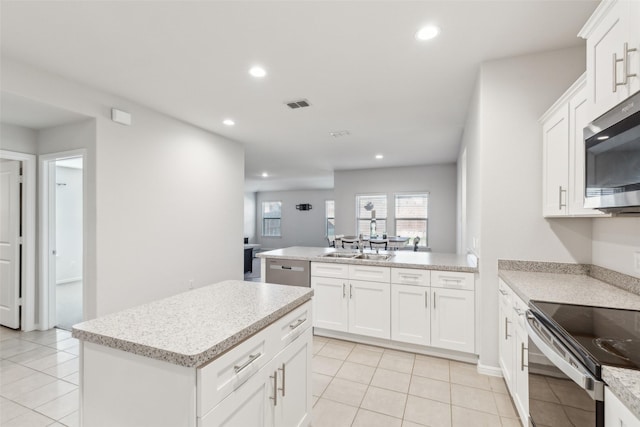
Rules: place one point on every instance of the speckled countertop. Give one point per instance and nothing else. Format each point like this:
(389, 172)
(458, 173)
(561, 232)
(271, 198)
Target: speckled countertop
(585, 290)
(402, 258)
(194, 327)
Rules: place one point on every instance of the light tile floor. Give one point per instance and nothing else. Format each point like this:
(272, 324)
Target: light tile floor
(353, 385)
(38, 378)
(360, 385)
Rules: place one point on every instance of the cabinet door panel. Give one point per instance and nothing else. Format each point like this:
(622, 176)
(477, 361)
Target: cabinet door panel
(555, 151)
(294, 384)
(410, 321)
(369, 309)
(330, 303)
(506, 339)
(453, 319)
(521, 372)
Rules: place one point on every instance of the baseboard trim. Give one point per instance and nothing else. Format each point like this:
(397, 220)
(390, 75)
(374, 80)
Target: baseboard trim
(493, 371)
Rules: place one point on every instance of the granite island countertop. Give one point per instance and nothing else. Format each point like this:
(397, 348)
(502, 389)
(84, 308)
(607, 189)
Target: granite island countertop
(401, 258)
(584, 290)
(194, 327)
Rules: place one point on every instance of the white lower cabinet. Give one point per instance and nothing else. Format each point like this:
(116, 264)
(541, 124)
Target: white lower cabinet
(513, 348)
(369, 308)
(330, 303)
(452, 319)
(410, 314)
(279, 394)
(616, 414)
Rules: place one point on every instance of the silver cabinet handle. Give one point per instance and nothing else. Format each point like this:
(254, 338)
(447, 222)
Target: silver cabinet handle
(350, 291)
(626, 62)
(297, 323)
(434, 299)
(252, 358)
(275, 388)
(522, 349)
(283, 369)
(560, 204)
(344, 291)
(506, 328)
(615, 72)
(502, 292)
(426, 299)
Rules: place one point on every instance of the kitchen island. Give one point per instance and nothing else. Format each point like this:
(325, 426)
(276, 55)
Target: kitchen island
(205, 357)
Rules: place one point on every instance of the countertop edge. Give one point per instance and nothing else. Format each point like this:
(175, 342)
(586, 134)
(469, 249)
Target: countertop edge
(624, 383)
(191, 360)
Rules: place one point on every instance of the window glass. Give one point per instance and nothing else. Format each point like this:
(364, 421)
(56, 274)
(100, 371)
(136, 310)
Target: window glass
(271, 219)
(330, 217)
(365, 205)
(412, 216)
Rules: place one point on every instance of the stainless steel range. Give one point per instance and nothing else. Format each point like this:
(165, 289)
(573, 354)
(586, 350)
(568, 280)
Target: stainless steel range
(568, 345)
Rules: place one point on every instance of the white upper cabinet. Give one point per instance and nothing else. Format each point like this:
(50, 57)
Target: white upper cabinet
(563, 160)
(613, 54)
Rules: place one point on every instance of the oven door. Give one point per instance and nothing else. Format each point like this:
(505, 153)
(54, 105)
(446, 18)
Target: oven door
(562, 392)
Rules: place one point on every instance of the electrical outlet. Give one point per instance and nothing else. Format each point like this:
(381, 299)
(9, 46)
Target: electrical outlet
(636, 261)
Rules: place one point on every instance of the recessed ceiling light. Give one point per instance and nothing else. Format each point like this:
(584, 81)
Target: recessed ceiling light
(427, 33)
(257, 71)
(379, 156)
(265, 175)
(228, 122)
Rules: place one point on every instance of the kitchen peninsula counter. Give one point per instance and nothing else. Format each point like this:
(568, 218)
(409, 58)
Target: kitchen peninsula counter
(400, 258)
(573, 286)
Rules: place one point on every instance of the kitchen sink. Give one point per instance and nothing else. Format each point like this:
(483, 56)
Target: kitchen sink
(340, 255)
(374, 257)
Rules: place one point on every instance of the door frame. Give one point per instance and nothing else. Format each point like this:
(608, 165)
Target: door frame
(28, 247)
(47, 309)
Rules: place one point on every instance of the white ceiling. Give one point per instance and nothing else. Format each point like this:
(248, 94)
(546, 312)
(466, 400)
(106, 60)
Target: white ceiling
(355, 61)
(20, 111)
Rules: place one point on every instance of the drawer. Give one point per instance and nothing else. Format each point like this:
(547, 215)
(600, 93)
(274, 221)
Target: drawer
(326, 269)
(410, 276)
(225, 374)
(452, 280)
(370, 273)
(519, 310)
(504, 290)
(292, 325)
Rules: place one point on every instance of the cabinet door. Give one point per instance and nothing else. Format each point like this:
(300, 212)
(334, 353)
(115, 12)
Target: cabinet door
(410, 316)
(294, 383)
(521, 372)
(607, 40)
(251, 404)
(453, 319)
(506, 339)
(634, 42)
(369, 308)
(555, 161)
(616, 413)
(330, 303)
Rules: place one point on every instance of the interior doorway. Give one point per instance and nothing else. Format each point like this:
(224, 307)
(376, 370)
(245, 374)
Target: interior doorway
(63, 236)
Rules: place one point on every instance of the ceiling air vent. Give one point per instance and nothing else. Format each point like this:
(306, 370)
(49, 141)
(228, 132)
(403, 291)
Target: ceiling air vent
(301, 103)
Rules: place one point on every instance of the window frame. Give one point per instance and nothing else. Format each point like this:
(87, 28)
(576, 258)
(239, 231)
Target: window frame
(378, 218)
(424, 243)
(327, 217)
(262, 217)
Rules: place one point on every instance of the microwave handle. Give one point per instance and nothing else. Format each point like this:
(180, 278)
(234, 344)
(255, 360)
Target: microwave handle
(578, 374)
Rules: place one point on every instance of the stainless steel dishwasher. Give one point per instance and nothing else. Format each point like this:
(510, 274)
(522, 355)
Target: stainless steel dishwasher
(288, 272)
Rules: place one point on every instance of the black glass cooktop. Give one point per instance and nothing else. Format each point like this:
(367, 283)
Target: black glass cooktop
(596, 335)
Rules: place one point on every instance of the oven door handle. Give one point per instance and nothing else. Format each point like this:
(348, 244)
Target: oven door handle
(577, 373)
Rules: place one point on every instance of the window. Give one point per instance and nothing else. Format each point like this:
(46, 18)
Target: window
(271, 218)
(411, 216)
(330, 217)
(365, 205)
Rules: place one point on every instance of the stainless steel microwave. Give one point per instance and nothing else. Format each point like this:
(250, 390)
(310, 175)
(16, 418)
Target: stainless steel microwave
(612, 160)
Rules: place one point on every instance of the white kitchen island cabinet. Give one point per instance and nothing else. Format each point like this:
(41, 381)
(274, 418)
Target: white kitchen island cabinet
(231, 354)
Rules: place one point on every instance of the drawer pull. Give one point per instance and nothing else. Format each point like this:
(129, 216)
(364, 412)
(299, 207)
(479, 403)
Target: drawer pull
(297, 323)
(275, 388)
(522, 350)
(252, 358)
(502, 292)
(283, 369)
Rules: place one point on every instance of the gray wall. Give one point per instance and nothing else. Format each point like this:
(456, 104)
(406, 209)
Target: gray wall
(299, 228)
(504, 176)
(438, 180)
(18, 138)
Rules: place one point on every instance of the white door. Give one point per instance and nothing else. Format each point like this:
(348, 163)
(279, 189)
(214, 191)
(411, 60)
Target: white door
(294, 383)
(330, 303)
(10, 244)
(369, 309)
(505, 339)
(452, 320)
(410, 314)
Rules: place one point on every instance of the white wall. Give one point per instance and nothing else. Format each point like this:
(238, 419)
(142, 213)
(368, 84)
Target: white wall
(169, 196)
(250, 216)
(504, 149)
(18, 138)
(615, 243)
(438, 180)
(68, 224)
(299, 228)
